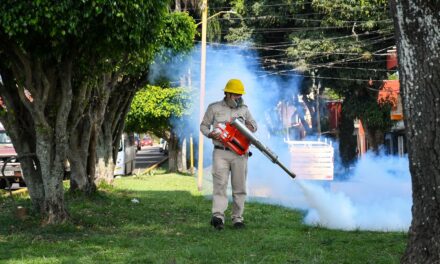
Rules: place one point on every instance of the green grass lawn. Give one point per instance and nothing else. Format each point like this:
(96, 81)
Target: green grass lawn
(170, 224)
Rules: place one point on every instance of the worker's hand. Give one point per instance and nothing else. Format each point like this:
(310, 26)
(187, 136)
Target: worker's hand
(215, 134)
(249, 126)
(241, 119)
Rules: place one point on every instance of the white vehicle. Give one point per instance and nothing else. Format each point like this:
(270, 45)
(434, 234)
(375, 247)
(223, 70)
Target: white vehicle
(125, 161)
(12, 171)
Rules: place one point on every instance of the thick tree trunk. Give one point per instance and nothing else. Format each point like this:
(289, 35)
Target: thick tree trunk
(21, 132)
(417, 24)
(51, 160)
(38, 100)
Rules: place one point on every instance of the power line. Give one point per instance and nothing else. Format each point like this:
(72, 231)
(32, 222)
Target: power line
(318, 77)
(302, 19)
(289, 43)
(278, 5)
(290, 29)
(229, 7)
(309, 52)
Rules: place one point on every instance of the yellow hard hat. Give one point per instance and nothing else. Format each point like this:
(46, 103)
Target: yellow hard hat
(234, 86)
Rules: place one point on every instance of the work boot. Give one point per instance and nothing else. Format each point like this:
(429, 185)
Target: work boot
(217, 223)
(239, 225)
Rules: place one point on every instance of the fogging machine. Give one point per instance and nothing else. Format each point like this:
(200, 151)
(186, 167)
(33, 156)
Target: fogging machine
(237, 137)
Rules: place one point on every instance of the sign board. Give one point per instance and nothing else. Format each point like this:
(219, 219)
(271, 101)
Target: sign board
(311, 160)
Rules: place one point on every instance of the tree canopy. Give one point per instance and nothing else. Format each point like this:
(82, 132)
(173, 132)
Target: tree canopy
(59, 63)
(154, 106)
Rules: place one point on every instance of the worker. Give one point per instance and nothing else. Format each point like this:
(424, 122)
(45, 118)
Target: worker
(225, 161)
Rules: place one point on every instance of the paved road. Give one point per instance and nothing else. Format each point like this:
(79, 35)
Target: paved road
(147, 157)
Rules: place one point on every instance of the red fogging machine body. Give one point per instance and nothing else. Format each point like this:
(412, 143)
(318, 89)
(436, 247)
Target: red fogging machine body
(233, 139)
(237, 137)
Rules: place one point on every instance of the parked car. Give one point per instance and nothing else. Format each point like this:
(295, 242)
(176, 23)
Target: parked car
(147, 141)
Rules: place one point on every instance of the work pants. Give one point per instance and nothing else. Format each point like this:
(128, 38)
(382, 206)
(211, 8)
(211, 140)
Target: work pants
(227, 163)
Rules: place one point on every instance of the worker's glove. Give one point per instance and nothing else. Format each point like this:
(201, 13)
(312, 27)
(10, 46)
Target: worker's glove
(215, 134)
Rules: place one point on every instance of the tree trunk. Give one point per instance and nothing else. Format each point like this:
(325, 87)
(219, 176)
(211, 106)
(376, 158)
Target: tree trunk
(375, 137)
(38, 116)
(347, 141)
(418, 46)
(105, 163)
(111, 129)
(311, 107)
(177, 6)
(31, 173)
(173, 148)
(21, 131)
(80, 179)
(182, 165)
(51, 156)
(91, 159)
(78, 176)
(83, 143)
(34, 184)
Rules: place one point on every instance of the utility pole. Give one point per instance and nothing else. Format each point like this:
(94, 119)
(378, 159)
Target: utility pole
(202, 91)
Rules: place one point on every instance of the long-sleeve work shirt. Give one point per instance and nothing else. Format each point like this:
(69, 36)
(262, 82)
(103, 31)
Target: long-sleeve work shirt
(220, 112)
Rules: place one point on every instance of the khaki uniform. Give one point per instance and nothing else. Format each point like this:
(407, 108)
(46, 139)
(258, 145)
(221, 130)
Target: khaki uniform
(227, 162)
